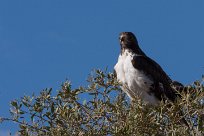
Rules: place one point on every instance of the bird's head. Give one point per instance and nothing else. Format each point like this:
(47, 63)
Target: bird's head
(128, 40)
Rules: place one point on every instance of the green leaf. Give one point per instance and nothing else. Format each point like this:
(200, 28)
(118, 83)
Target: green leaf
(84, 102)
(14, 103)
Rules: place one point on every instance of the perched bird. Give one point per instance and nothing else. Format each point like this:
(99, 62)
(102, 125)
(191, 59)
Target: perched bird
(140, 75)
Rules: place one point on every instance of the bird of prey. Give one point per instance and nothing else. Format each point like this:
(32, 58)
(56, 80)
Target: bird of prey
(140, 75)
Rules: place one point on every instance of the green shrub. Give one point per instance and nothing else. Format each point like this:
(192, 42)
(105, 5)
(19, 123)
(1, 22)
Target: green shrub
(103, 109)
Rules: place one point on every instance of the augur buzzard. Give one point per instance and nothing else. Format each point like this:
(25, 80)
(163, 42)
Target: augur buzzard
(140, 75)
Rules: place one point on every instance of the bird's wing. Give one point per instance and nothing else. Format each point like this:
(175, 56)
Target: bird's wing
(153, 70)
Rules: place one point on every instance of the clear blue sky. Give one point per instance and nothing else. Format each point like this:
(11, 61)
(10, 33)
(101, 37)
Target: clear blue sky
(43, 42)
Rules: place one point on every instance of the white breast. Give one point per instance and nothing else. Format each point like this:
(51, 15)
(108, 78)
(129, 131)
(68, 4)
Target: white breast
(134, 82)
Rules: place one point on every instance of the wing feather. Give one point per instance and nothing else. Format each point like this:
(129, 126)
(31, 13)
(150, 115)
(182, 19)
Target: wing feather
(161, 86)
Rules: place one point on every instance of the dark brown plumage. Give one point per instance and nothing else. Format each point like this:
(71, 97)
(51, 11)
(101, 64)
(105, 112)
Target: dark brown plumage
(158, 82)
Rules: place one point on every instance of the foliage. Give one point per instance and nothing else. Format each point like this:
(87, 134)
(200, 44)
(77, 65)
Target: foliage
(106, 111)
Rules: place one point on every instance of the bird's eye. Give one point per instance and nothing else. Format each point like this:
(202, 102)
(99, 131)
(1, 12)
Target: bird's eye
(121, 38)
